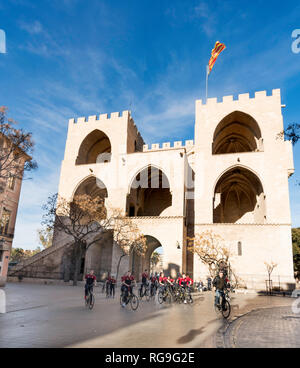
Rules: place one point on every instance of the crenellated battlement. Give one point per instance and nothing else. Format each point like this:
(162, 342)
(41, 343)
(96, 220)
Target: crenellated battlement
(167, 146)
(245, 97)
(101, 117)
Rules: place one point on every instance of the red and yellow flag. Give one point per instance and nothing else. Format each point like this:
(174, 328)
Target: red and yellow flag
(219, 47)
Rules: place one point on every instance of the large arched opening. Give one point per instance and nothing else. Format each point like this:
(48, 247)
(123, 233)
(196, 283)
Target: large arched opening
(95, 148)
(150, 193)
(239, 198)
(152, 261)
(99, 256)
(236, 133)
(93, 187)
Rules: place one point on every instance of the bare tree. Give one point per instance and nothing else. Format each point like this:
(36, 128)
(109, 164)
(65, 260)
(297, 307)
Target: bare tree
(270, 266)
(45, 237)
(291, 133)
(129, 238)
(16, 147)
(82, 219)
(154, 260)
(211, 250)
(86, 221)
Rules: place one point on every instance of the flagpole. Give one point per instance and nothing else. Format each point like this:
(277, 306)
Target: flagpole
(207, 69)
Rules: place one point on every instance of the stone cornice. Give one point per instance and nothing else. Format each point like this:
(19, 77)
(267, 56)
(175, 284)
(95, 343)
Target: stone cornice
(156, 217)
(244, 224)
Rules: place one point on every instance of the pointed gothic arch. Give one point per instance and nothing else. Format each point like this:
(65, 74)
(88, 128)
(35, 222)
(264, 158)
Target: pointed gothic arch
(236, 133)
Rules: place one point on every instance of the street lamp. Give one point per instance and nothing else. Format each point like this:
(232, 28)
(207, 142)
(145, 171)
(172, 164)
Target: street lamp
(178, 245)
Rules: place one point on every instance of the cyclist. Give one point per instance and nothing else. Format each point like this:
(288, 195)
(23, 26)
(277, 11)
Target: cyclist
(112, 286)
(107, 284)
(153, 284)
(90, 281)
(145, 277)
(183, 280)
(220, 284)
(189, 282)
(127, 281)
(183, 283)
(162, 281)
(170, 284)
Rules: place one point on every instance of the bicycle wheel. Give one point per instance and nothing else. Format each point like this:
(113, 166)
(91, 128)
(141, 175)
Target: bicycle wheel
(87, 300)
(140, 293)
(160, 297)
(226, 310)
(168, 298)
(92, 301)
(134, 302)
(218, 309)
(190, 299)
(147, 295)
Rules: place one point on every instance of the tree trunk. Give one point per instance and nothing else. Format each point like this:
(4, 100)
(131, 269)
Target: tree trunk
(118, 267)
(78, 255)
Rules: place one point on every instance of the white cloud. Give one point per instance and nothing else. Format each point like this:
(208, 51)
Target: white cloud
(32, 28)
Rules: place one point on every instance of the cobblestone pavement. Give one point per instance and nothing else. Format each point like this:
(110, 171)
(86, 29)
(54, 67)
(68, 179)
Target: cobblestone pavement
(274, 327)
(55, 316)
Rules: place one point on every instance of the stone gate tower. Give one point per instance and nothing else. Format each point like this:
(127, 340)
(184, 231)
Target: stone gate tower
(232, 179)
(241, 192)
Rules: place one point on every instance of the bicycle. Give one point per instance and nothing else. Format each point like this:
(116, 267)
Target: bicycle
(107, 290)
(164, 295)
(145, 292)
(188, 296)
(90, 299)
(224, 308)
(153, 289)
(132, 299)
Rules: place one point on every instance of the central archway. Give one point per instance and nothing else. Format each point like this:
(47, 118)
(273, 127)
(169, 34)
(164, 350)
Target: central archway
(139, 264)
(150, 193)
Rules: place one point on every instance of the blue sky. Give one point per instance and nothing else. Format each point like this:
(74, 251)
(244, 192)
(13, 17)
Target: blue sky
(75, 58)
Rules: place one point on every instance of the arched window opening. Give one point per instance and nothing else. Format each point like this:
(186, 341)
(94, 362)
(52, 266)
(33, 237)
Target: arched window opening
(239, 198)
(236, 133)
(150, 192)
(131, 211)
(93, 187)
(95, 148)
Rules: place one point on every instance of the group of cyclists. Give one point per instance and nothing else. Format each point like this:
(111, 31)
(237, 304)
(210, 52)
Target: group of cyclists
(152, 283)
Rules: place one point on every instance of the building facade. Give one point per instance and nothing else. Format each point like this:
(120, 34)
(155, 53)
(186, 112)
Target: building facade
(10, 189)
(231, 179)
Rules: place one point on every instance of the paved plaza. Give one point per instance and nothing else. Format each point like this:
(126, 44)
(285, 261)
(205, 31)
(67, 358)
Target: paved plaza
(55, 316)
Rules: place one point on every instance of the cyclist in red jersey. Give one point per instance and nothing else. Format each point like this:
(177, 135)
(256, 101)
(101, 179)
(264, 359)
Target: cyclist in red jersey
(182, 280)
(162, 281)
(190, 282)
(112, 286)
(170, 283)
(107, 284)
(153, 286)
(145, 277)
(127, 281)
(90, 281)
